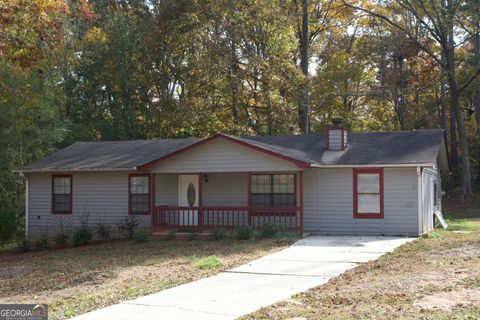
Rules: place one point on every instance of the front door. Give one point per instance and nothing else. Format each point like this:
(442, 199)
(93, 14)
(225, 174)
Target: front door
(188, 198)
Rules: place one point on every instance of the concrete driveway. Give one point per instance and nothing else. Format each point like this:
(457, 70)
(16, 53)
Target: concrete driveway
(310, 262)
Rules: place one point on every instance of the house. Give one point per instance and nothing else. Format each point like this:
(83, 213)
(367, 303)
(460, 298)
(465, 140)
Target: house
(381, 183)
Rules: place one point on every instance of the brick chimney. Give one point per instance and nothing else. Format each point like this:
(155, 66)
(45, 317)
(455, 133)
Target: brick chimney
(337, 136)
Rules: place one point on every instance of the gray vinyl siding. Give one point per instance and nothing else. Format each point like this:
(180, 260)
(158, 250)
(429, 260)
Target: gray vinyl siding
(328, 203)
(328, 200)
(97, 198)
(223, 156)
(225, 189)
(222, 189)
(166, 189)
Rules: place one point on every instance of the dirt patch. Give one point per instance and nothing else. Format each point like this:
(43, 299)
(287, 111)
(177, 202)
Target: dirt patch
(93, 278)
(469, 250)
(14, 271)
(447, 301)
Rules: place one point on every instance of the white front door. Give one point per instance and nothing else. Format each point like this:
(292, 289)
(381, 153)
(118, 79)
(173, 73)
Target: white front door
(188, 198)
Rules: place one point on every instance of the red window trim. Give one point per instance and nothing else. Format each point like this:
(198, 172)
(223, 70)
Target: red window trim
(295, 193)
(130, 211)
(357, 215)
(53, 193)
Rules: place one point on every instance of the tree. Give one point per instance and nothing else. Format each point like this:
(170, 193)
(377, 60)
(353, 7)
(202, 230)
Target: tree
(303, 108)
(437, 21)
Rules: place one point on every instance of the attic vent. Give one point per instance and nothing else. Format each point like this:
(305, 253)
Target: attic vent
(337, 136)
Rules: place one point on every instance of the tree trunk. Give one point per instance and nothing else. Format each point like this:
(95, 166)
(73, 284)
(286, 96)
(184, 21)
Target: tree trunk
(477, 64)
(401, 102)
(477, 82)
(465, 158)
(453, 140)
(303, 109)
(443, 98)
(454, 105)
(455, 108)
(443, 109)
(233, 83)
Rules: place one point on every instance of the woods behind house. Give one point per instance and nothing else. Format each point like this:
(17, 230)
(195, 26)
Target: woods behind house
(107, 70)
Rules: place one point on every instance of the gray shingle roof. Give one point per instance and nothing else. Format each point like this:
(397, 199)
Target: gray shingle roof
(401, 147)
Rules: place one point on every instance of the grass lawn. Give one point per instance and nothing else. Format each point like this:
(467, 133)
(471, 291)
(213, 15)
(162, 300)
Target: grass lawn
(75, 280)
(431, 278)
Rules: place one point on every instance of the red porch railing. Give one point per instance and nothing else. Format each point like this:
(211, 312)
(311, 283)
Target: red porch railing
(199, 218)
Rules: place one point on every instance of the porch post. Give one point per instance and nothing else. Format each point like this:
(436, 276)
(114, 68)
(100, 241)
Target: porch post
(249, 197)
(152, 202)
(200, 201)
(300, 174)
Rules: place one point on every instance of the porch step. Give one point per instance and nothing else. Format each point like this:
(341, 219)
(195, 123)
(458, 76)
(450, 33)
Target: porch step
(180, 234)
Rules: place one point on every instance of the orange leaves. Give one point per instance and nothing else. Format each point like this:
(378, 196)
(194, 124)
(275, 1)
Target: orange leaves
(31, 28)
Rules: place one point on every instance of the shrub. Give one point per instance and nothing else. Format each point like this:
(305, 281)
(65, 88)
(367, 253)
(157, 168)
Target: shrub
(103, 231)
(24, 245)
(169, 236)
(245, 233)
(210, 262)
(8, 225)
(192, 236)
(41, 243)
(140, 236)
(219, 233)
(128, 226)
(271, 230)
(83, 235)
(61, 239)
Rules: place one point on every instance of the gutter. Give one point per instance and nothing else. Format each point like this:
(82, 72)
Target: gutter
(73, 170)
(408, 165)
(312, 165)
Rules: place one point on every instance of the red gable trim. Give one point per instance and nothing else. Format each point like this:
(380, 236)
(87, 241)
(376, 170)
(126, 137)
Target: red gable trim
(298, 163)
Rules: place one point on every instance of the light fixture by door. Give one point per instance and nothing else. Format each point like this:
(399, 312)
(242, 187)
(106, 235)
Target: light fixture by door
(205, 178)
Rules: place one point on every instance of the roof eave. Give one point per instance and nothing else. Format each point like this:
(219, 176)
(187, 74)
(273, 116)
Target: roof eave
(387, 165)
(48, 170)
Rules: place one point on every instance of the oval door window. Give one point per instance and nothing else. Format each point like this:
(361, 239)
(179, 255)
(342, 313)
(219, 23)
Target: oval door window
(191, 194)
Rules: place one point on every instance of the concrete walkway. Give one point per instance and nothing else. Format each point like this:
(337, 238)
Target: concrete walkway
(308, 263)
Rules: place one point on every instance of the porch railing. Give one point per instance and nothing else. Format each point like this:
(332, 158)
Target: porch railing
(200, 218)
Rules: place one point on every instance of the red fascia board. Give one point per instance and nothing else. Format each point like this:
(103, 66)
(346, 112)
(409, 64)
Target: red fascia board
(298, 163)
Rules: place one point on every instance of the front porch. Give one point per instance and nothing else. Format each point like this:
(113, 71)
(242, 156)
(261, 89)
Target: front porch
(205, 201)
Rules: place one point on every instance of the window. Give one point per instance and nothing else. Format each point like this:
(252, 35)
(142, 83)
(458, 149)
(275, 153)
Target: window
(62, 193)
(368, 193)
(273, 190)
(139, 194)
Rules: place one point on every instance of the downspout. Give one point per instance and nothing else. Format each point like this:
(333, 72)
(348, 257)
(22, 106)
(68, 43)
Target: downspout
(420, 200)
(26, 208)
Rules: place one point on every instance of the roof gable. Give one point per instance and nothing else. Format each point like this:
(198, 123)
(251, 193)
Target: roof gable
(259, 147)
(221, 155)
